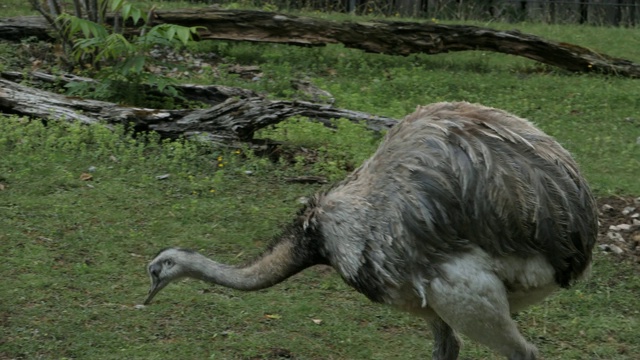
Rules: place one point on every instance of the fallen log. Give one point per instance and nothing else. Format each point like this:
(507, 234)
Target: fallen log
(392, 37)
(23, 27)
(231, 122)
(384, 37)
(207, 94)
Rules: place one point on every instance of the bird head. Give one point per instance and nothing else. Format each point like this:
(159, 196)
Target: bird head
(169, 265)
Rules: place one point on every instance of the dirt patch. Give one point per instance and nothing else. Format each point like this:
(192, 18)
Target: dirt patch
(619, 232)
(273, 354)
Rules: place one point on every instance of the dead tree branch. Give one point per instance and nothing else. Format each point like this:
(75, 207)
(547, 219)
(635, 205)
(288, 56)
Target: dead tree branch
(231, 122)
(383, 37)
(393, 38)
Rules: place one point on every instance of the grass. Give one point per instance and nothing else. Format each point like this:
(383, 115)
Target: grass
(75, 251)
(595, 117)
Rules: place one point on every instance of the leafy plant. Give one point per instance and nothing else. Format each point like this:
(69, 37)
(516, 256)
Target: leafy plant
(118, 62)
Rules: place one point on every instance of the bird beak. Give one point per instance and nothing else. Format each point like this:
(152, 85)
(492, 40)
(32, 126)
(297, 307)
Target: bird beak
(156, 286)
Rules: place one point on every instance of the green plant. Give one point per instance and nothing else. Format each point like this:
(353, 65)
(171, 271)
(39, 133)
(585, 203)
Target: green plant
(119, 63)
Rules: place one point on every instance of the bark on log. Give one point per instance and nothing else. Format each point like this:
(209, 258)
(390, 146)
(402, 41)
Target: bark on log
(392, 37)
(207, 94)
(22, 27)
(232, 122)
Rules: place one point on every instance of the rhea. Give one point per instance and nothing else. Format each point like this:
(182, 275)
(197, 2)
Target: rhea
(464, 215)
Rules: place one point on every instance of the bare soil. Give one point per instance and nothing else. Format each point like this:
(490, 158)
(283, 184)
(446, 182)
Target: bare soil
(611, 214)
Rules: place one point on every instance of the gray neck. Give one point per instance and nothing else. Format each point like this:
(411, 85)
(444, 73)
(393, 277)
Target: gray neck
(269, 269)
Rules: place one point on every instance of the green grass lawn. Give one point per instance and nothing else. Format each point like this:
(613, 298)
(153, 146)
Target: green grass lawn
(75, 251)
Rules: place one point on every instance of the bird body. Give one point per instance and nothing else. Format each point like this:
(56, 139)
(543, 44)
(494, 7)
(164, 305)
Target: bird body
(463, 215)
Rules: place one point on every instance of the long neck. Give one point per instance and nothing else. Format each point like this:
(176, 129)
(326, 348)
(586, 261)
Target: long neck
(272, 267)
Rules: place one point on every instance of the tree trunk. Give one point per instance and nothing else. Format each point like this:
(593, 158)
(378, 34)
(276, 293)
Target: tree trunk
(392, 38)
(231, 122)
(552, 12)
(408, 8)
(617, 15)
(584, 11)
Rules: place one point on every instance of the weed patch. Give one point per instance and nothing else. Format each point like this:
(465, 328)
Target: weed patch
(314, 149)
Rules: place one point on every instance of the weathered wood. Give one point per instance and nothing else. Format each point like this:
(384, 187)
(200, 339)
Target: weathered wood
(387, 37)
(228, 123)
(22, 27)
(393, 37)
(207, 94)
(307, 180)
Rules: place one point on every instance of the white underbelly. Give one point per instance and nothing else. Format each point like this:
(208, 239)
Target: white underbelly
(524, 281)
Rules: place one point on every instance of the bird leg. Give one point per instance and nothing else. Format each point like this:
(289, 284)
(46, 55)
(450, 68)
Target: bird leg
(472, 300)
(446, 343)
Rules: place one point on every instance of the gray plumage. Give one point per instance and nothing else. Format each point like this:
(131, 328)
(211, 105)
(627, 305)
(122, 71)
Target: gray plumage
(464, 214)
